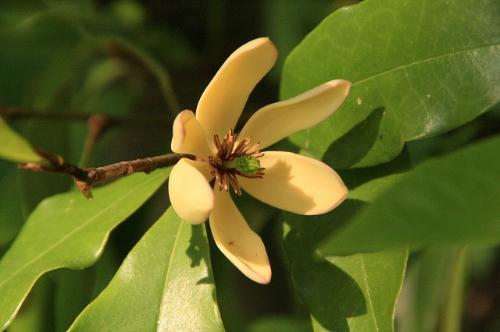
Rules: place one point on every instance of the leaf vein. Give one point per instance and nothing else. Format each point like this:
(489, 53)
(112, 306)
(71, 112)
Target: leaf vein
(76, 230)
(422, 61)
(169, 268)
(368, 291)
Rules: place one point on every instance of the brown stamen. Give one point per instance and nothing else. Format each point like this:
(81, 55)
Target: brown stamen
(229, 149)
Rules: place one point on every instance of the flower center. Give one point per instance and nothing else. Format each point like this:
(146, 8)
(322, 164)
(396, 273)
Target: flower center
(235, 157)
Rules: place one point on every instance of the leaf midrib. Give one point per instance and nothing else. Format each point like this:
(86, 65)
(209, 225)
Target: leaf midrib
(169, 268)
(76, 230)
(422, 61)
(368, 292)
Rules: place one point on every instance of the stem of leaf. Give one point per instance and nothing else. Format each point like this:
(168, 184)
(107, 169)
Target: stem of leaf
(453, 307)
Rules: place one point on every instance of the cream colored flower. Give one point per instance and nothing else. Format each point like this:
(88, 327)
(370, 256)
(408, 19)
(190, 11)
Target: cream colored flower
(285, 180)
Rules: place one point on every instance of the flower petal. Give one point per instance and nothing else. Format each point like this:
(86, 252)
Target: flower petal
(296, 183)
(190, 193)
(225, 97)
(279, 120)
(241, 245)
(188, 135)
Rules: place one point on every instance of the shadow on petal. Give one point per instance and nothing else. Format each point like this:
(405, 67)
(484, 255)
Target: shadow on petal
(284, 189)
(296, 184)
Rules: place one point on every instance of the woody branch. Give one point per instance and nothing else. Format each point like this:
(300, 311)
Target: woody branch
(86, 178)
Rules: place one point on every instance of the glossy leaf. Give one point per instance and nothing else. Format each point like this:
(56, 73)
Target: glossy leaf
(418, 67)
(14, 147)
(452, 200)
(164, 284)
(68, 231)
(351, 293)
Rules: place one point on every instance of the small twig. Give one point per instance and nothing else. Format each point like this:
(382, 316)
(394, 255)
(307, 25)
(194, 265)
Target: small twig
(86, 178)
(96, 126)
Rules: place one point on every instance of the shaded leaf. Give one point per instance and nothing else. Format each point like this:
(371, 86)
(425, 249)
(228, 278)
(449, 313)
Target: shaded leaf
(156, 69)
(36, 314)
(11, 214)
(452, 200)
(280, 324)
(164, 284)
(14, 147)
(73, 291)
(36, 55)
(68, 231)
(351, 293)
(418, 67)
(424, 293)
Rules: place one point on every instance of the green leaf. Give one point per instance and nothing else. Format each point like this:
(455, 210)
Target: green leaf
(68, 231)
(165, 283)
(15, 147)
(11, 214)
(418, 68)
(49, 36)
(36, 315)
(424, 293)
(452, 200)
(280, 324)
(352, 293)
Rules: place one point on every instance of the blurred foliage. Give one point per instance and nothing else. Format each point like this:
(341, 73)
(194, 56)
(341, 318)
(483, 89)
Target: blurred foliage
(396, 137)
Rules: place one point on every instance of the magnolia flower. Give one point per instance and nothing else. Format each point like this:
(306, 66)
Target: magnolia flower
(284, 180)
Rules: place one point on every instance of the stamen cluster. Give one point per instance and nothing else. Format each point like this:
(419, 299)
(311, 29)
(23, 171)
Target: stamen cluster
(222, 165)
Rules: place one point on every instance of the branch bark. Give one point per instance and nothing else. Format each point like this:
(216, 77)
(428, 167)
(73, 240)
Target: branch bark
(86, 178)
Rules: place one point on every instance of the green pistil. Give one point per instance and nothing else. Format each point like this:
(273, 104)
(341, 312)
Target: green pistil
(244, 164)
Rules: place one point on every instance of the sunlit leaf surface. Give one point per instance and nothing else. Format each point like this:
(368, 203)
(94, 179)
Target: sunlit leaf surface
(164, 284)
(14, 147)
(68, 231)
(418, 68)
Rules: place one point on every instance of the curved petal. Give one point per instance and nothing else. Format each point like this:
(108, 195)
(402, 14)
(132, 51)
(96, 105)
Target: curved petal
(297, 184)
(188, 135)
(190, 193)
(225, 97)
(279, 120)
(241, 245)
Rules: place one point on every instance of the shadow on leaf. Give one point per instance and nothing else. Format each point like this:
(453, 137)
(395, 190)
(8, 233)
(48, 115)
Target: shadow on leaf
(331, 295)
(349, 149)
(198, 250)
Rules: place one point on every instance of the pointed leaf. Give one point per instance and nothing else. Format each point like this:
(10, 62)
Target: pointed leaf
(418, 68)
(14, 147)
(164, 284)
(68, 231)
(452, 200)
